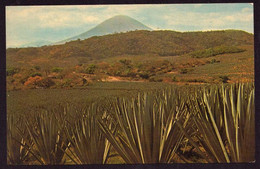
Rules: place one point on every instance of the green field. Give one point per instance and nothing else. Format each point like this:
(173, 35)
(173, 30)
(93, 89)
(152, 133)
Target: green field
(137, 97)
(131, 122)
(29, 100)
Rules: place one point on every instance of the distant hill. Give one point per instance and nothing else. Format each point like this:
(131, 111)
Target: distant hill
(36, 44)
(168, 56)
(116, 24)
(39, 43)
(136, 43)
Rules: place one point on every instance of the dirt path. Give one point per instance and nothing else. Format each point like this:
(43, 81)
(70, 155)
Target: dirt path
(119, 79)
(113, 79)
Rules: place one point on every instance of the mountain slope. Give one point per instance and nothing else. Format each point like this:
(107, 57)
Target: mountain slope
(136, 43)
(116, 24)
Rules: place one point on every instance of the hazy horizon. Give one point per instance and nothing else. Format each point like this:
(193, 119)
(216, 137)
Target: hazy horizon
(26, 24)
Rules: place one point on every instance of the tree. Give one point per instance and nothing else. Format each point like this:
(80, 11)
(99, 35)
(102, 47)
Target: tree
(224, 79)
(91, 69)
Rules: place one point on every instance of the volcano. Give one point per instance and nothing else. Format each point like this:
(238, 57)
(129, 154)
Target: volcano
(116, 24)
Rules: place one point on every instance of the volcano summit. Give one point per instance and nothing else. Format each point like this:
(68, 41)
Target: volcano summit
(116, 24)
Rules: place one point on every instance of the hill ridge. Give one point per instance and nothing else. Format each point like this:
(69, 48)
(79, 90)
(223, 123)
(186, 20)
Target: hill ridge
(136, 43)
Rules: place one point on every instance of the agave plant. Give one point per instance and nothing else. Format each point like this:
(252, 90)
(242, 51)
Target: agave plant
(224, 119)
(17, 154)
(88, 144)
(48, 138)
(147, 129)
(239, 118)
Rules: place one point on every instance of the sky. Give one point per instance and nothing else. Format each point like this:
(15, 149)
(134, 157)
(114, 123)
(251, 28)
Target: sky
(26, 24)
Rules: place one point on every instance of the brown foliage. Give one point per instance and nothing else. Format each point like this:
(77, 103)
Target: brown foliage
(38, 81)
(32, 80)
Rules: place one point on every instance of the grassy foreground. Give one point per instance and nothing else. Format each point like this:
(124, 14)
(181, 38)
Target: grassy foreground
(132, 123)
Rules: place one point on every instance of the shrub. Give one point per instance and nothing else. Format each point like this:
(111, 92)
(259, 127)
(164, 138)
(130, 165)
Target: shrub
(90, 69)
(118, 73)
(23, 79)
(45, 83)
(35, 74)
(32, 80)
(144, 75)
(67, 82)
(196, 80)
(213, 61)
(215, 51)
(11, 71)
(155, 79)
(38, 81)
(85, 82)
(57, 69)
(174, 79)
(130, 73)
(184, 71)
(37, 67)
(151, 79)
(224, 79)
(125, 61)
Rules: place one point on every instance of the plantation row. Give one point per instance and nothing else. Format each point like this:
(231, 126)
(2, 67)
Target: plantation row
(210, 124)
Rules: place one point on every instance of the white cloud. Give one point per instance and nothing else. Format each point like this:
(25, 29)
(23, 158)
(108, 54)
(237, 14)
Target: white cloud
(51, 17)
(195, 19)
(230, 18)
(208, 20)
(65, 19)
(21, 21)
(245, 10)
(69, 16)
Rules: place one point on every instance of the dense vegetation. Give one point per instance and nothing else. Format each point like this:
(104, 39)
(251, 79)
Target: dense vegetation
(227, 68)
(178, 124)
(162, 43)
(69, 115)
(215, 51)
(155, 56)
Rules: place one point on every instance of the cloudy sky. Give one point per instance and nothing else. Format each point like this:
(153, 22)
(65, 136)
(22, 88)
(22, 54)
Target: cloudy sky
(25, 24)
